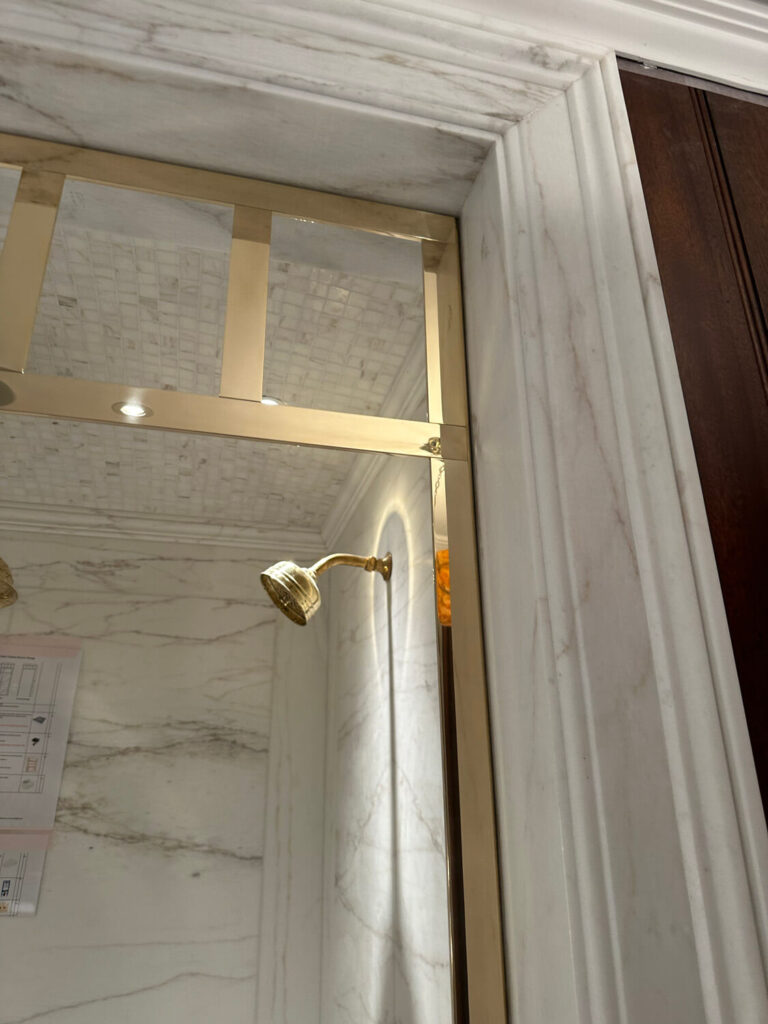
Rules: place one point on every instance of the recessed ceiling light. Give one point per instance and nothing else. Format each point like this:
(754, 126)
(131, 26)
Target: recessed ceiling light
(133, 410)
(266, 400)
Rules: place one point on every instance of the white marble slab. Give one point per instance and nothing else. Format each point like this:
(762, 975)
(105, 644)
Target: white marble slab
(150, 901)
(386, 945)
(290, 951)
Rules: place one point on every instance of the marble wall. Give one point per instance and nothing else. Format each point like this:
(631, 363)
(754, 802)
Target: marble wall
(385, 942)
(290, 948)
(150, 903)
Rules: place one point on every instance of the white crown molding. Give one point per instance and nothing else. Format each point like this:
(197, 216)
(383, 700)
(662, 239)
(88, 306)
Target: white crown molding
(745, 19)
(722, 40)
(56, 519)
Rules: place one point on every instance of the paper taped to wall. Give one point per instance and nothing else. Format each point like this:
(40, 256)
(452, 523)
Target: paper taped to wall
(38, 676)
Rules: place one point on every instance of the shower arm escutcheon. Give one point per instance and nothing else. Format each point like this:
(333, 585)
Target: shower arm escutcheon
(370, 564)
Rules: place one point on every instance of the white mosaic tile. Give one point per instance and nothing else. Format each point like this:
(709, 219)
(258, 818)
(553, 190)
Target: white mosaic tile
(115, 468)
(132, 311)
(337, 340)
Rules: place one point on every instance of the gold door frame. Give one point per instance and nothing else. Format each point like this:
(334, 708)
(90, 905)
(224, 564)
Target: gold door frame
(478, 977)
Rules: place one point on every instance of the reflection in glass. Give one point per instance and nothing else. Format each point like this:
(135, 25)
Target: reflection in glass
(345, 320)
(135, 290)
(274, 792)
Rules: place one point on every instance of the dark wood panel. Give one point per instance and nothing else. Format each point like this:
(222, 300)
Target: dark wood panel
(696, 234)
(741, 129)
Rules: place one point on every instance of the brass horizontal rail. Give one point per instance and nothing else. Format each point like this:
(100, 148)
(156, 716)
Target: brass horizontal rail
(216, 187)
(93, 401)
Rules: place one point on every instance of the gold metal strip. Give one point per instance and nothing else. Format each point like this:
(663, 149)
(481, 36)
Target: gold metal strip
(213, 186)
(92, 401)
(486, 984)
(446, 371)
(245, 336)
(454, 513)
(23, 262)
(432, 337)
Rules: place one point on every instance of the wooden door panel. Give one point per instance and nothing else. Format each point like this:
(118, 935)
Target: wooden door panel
(710, 293)
(742, 134)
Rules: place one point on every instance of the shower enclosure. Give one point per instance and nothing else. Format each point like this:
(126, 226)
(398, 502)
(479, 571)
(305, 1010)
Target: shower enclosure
(217, 374)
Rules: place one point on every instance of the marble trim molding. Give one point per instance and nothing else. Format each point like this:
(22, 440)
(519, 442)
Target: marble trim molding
(475, 70)
(722, 40)
(615, 702)
(26, 517)
(619, 536)
(737, 16)
(460, 72)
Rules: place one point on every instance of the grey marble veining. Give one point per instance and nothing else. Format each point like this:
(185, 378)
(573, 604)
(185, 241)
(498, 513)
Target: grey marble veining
(385, 943)
(485, 77)
(403, 106)
(150, 902)
(48, 98)
(120, 566)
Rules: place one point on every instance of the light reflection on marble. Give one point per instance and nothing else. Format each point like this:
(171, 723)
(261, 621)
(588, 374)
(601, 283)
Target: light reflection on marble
(150, 901)
(386, 949)
(485, 76)
(36, 101)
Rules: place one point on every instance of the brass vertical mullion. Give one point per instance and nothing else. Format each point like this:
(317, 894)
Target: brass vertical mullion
(242, 362)
(23, 262)
(479, 932)
(483, 938)
(446, 373)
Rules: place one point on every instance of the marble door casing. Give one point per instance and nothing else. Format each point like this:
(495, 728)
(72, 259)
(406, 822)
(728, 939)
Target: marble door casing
(635, 849)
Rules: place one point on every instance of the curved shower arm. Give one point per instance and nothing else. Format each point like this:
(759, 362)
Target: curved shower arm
(370, 564)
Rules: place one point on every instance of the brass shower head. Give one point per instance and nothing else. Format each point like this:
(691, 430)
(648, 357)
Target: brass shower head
(295, 591)
(7, 594)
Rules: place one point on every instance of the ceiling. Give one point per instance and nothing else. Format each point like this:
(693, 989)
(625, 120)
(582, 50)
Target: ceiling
(119, 469)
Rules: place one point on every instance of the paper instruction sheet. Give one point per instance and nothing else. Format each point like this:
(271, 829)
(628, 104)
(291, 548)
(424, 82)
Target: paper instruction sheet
(38, 676)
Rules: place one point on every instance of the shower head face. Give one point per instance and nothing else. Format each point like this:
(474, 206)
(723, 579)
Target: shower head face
(7, 594)
(293, 589)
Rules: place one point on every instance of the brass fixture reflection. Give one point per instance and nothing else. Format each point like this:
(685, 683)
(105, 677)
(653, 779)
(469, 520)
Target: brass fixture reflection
(295, 591)
(8, 595)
